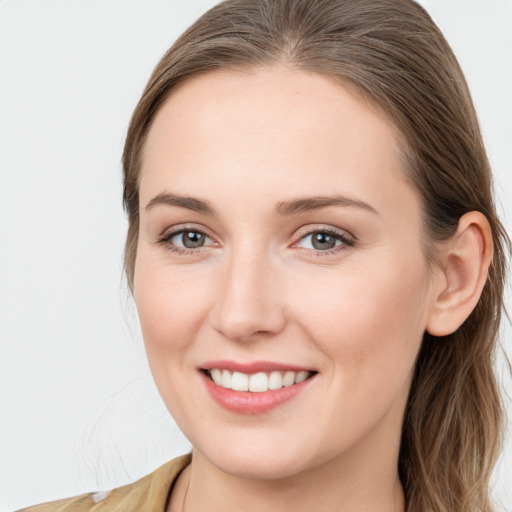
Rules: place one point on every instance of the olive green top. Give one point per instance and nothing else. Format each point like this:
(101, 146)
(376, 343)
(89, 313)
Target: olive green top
(149, 494)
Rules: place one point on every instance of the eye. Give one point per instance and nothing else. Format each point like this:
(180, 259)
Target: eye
(183, 240)
(325, 240)
(189, 239)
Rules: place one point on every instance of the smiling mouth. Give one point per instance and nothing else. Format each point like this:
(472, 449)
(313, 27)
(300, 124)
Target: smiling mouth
(259, 382)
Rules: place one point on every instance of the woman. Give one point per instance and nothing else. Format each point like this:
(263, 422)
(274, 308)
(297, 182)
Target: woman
(317, 264)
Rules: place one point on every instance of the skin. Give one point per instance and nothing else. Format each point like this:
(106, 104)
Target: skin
(258, 290)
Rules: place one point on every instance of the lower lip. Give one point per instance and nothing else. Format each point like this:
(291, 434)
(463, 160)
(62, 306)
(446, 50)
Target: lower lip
(246, 402)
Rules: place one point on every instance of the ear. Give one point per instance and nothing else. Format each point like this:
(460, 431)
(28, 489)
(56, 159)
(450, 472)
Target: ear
(464, 267)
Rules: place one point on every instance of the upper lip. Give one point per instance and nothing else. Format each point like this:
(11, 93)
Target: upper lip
(253, 367)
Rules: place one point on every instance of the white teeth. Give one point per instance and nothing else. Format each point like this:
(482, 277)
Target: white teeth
(275, 381)
(226, 379)
(257, 382)
(216, 376)
(289, 379)
(301, 376)
(240, 381)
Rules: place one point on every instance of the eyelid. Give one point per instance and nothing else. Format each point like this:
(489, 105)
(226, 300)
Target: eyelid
(187, 226)
(165, 237)
(323, 228)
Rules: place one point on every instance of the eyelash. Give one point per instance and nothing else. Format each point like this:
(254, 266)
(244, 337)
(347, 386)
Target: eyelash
(165, 240)
(346, 241)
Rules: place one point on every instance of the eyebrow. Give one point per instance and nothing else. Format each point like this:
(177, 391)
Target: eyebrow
(190, 203)
(315, 203)
(291, 207)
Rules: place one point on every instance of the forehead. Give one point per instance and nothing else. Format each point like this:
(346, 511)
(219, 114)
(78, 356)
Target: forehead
(270, 127)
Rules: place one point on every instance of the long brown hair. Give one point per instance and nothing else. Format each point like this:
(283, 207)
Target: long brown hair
(395, 56)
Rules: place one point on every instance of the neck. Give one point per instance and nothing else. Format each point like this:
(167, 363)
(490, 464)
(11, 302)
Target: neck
(326, 490)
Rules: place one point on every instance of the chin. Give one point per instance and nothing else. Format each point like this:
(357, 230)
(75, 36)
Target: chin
(256, 466)
(260, 459)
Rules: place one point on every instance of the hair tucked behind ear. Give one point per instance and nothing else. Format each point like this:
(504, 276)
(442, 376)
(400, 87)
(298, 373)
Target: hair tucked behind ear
(395, 56)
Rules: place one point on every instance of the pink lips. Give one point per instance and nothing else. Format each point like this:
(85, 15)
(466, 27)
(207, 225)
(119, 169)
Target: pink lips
(246, 402)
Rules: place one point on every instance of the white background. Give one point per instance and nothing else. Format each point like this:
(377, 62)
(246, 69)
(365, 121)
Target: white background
(78, 408)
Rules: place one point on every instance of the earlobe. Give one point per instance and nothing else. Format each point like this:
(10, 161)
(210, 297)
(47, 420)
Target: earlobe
(465, 264)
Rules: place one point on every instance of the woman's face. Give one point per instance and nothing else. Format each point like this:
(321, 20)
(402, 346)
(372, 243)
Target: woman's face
(280, 241)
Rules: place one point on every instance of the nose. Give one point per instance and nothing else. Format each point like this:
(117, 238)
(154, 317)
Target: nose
(249, 302)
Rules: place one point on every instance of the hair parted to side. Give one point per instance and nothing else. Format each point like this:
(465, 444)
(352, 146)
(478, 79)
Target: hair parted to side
(396, 57)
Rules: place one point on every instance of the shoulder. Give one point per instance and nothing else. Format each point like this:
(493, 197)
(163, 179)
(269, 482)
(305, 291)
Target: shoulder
(149, 493)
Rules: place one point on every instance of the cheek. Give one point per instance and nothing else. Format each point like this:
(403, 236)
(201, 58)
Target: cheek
(369, 323)
(171, 304)
(370, 327)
